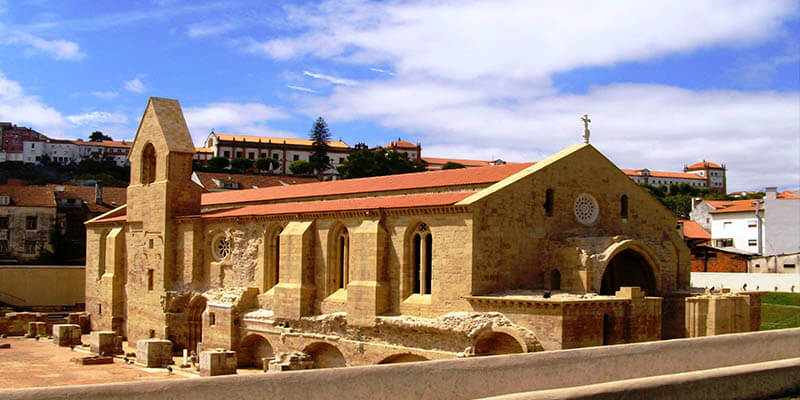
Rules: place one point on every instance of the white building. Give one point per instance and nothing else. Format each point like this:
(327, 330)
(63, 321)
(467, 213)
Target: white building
(782, 222)
(657, 178)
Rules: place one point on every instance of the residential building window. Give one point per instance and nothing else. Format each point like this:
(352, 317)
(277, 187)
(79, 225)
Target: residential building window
(30, 247)
(422, 259)
(226, 154)
(3, 246)
(296, 157)
(788, 265)
(752, 224)
(624, 206)
(238, 154)
(3, 222)
(30, 222)
(548, 202)
(251, 156)
(341, 160)
(752, 242)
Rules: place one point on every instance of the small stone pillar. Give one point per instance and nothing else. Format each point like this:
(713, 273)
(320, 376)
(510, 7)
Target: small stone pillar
(154, 353)
(107, 342)
(66, 334)
(37, 329)
(217, 362)
(81, 319)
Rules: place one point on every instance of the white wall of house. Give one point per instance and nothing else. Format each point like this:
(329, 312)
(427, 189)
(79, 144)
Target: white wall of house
(742, 227)
(733, 280)
(782, 220)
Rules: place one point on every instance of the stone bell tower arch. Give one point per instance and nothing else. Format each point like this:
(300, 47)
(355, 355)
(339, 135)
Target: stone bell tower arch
(160, 190)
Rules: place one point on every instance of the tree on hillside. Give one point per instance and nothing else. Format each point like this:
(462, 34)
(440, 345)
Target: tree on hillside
(218, 163)
(98, 136)
(363, 163)
(319, 159)
(242, 163)
(301, 167)
(267, 164)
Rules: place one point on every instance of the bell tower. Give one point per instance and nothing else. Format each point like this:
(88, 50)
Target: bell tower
(160, 190)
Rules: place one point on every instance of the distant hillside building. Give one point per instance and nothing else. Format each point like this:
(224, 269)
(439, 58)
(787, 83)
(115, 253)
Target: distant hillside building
(285, 150)
(714, 175)
(657, 178)
(12, 141)
(25, 145)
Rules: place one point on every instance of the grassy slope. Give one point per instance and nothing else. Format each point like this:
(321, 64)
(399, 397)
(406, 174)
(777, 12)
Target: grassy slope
(780, 310)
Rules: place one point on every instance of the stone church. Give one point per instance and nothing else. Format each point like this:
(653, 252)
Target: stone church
(562, 253)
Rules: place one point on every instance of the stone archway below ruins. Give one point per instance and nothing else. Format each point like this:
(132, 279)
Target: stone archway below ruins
(494, 343)
(194, 322)
(402, 358)
(325, 355)
(253, 350)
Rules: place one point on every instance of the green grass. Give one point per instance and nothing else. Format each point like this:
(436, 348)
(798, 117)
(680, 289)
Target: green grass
(776, 316)
(783, 298)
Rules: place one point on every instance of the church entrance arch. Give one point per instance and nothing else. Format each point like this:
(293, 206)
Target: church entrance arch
(195, 322)
(628, 268)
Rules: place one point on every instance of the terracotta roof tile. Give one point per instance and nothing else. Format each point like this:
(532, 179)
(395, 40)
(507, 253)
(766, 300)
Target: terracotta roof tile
(212, 180)
(29, 196)
(787, 194)
(402, 144)
(703, 165)
(363, 203)
(733, 206)
(264, 139)
(663, 174)
(693, 230)
(419, 180)
(106, 143)
(466, 163)
(203, 150)
(112, 196)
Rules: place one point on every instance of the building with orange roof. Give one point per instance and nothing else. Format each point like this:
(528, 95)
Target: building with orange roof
(657, 178)
(767, 226)
(414, 151)
(285, 150)
(221, 182)
(714, 174)
(458, 263)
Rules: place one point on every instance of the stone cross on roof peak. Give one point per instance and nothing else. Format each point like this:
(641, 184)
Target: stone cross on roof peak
(586, 121)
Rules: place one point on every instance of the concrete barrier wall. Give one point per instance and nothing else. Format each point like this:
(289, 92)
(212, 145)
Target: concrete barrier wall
(464, 378)
(39, 286)
(751, 381)
(764, 282)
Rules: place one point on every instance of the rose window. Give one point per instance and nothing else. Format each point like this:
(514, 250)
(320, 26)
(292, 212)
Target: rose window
(586, 209)
(221, 247)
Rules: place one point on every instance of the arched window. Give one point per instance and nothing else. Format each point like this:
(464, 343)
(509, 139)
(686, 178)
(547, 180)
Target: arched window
(148, 164)
(548, 202)
(623, 212)
(422, 258)
(342, 260)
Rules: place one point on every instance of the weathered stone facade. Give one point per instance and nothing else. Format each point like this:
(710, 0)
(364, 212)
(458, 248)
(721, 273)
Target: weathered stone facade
(502, 259)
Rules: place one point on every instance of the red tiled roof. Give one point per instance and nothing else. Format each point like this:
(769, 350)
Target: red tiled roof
(402, 144)
(245, 181)
(277, 140)
(703, 165)
(363, 203)
(419, 180)
(116, 195)
(203, 150)
(466, 163)
(731, 206)
(663, 174)
(693, 230)
(29, 196)
(106, 143)
(787, 194)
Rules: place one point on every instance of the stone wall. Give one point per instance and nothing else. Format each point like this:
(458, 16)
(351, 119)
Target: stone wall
(42, 287)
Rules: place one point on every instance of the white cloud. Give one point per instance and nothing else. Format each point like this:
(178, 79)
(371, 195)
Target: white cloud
(58, 49)
(382, 71)
(248, 119)
(637, 125)
(107, 95)
(209, 29)
(20, 108)
(518, 38)
(302, 89)
(332, 79)
(135, 85)
(97, 118)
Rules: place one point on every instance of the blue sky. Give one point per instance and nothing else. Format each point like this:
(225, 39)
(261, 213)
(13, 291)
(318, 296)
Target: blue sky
(666, 83)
